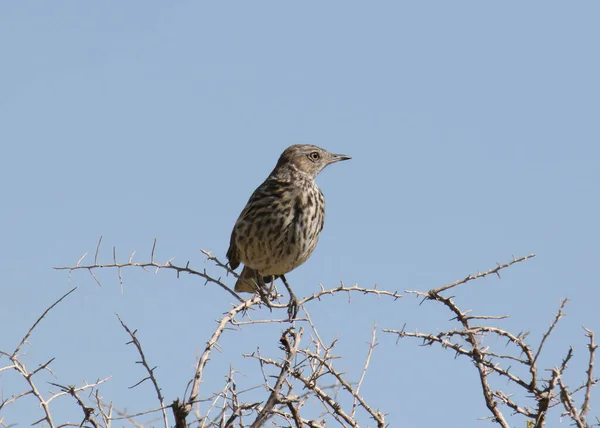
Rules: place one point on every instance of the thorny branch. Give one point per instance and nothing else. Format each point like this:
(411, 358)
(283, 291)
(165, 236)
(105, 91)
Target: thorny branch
(290, 340)
(585, 407)
(228, 397)
(212, 342)
(478, 275)
(145, 265)
(364, 372)
(467, 340)
(150, 371)
(35, 324)
(307, 374)
(30, 378)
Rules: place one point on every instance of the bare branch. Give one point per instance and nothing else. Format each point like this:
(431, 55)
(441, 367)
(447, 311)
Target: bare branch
(364, 372)
(181, 410)
(16, 351)
(585, 408)
(69, 390)
(88, 412)
(34, 390)
(376, 415)
(567, 401)
(354, 288)
(552, 325)
(275, 397)
(307, 378)
(310, 384)
(468, 278)
(145, 265)
(150, 371)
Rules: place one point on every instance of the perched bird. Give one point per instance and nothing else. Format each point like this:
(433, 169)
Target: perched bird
(279, 228)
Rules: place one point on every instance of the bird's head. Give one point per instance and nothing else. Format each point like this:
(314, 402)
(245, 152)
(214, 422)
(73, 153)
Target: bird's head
(307, 158)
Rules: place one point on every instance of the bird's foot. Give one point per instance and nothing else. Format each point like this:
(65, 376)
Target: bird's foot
(292, 308)
(293, 305)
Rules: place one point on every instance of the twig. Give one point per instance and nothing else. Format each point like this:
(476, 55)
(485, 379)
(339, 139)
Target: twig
(364, 372)
(336, 409)
(552, 325)
(181, 410)
(275, 397)
(585, 407)
(495, 270)
(150, 371)
(567, 401)
(28, 376)
(355, 288)
(16, 351)
(145, 265)
(376, 415)
(88, 412)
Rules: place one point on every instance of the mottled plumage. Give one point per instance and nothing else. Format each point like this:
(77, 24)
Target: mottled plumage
(279, 228)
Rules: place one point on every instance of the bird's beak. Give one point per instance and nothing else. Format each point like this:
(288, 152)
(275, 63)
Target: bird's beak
(336, 158)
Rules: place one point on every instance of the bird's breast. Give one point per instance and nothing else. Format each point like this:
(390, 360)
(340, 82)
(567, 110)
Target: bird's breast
(281, 231)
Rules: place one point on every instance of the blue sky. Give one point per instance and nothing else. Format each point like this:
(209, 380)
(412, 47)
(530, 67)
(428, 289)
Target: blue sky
(473, 128)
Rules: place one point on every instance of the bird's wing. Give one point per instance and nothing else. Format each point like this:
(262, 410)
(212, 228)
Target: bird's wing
(233, 254)
(253, 204)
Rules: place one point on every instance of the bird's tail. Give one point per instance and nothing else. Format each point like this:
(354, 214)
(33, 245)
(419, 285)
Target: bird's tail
(246, 283)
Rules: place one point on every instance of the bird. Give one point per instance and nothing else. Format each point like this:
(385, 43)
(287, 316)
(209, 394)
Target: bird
(279, 227)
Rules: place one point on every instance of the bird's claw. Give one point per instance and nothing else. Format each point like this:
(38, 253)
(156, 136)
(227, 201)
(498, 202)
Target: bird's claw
(292, 308)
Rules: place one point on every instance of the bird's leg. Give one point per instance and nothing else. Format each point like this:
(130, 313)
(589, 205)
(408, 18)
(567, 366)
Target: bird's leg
(293, 305)
(261, 288)
(273, 278)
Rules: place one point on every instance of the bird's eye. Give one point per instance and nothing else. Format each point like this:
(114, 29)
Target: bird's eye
(314, 156)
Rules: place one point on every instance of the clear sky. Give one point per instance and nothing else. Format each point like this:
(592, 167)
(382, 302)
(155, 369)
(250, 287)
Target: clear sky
(474, 132)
